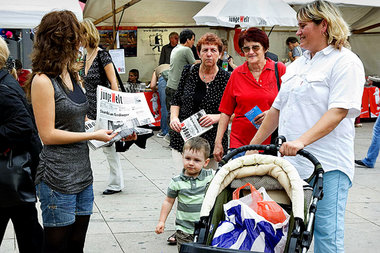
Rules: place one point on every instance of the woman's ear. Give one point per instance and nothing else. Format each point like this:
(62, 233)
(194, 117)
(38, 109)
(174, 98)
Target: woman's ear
(324, 26)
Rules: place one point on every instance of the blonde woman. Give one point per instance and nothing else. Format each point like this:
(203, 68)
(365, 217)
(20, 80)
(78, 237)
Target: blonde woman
(315, 110)
(98, 70)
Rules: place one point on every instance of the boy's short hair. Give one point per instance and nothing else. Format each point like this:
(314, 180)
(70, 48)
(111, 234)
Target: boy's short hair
(198, 144)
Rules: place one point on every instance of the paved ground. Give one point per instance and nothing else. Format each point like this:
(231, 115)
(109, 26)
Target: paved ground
(125, 222)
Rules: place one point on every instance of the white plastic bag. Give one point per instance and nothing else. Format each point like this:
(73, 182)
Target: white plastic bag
(244, 229)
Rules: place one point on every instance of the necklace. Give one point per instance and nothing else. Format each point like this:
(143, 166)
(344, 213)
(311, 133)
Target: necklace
(210, 78)
(90, 56)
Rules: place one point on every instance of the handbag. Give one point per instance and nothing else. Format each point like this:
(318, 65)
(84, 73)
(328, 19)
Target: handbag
(16, 184)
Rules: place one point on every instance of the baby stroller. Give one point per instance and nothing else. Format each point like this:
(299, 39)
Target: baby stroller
(261, 171)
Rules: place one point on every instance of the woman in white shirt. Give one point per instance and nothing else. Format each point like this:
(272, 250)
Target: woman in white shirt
(315, 110)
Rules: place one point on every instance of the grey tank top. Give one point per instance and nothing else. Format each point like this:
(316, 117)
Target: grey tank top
(66, 168)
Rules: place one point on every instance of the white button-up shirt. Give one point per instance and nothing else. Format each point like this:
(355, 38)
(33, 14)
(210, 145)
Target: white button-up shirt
(312, 86)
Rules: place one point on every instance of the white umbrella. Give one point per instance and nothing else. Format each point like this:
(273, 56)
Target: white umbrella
(246, 13)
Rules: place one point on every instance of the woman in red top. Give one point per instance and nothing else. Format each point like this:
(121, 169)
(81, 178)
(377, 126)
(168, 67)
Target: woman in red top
(252, 84)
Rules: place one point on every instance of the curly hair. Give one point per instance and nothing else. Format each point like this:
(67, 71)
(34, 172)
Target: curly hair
(337, 29)
(254, 34)
(56, 46)
(210, 39)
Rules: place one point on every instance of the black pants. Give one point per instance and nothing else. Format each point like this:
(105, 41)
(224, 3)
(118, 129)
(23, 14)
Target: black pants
(169, 92)
(29, 232)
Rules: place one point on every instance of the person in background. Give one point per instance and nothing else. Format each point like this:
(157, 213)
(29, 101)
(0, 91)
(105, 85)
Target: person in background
(373, 150)
(315, 110)
(64, 181)
(252, 84)
(200, 87)
(231, 64)
(167, 49)
(19, 134)
(10, 66)
(22, 74)
(98, 70)
(295, 50)
(158, 82)
(133, 84)
(181, 56)
(189, 188)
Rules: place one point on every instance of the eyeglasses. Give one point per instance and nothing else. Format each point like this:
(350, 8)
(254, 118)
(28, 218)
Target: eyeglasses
(255, 48)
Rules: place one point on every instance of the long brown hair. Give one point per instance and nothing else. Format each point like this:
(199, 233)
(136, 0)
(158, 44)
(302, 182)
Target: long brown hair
(56, 45)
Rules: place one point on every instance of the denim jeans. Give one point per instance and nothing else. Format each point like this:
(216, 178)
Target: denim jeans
(164, 110)
(373, 150)
(329, 218)
(59, 209)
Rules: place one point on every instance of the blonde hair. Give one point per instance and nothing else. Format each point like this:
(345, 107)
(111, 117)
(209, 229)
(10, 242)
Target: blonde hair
(90, 33)
(337, 29)
(4, 52)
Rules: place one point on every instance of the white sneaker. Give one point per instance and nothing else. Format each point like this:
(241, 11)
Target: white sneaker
(167, 138)
(160, 135)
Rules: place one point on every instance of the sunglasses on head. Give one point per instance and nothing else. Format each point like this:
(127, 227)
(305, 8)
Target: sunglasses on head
(255, 48)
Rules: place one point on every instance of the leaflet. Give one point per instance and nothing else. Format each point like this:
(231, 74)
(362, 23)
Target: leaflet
(191, 127)
(252, 114)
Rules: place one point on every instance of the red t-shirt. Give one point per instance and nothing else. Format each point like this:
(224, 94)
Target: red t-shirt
(23, 76)
(243, 93)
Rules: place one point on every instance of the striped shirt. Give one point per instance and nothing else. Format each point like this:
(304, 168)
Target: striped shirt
(190, 192)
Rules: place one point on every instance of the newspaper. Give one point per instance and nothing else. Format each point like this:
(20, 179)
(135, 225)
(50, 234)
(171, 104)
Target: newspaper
(94, 144)
(121, 112)
(191, 127)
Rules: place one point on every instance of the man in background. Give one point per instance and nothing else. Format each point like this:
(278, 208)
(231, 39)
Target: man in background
(167, 49)
(295, 50)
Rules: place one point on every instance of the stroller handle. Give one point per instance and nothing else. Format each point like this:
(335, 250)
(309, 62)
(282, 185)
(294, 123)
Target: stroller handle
(271, 147)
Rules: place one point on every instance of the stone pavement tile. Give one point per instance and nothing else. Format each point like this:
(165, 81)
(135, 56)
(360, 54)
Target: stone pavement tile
(9, 232)
(156, 168)
(359, 193)
(362, 237)
(105, 243)
(124, 201)
(367, 210)
(369, 180)
(98, 225)
(146, 242)
(8, 245)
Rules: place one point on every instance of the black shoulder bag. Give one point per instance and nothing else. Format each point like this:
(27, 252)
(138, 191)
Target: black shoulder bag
(16, 182)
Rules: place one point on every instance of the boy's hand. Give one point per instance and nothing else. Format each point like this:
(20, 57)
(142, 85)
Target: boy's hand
(160, 227)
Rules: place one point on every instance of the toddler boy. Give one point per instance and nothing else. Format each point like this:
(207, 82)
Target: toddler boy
(190, 188)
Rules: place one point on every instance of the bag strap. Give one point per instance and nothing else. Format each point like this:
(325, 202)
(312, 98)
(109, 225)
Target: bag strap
(277, 77)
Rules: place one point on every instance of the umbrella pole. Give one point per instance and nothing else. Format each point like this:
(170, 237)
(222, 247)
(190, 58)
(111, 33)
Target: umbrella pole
(113, 24)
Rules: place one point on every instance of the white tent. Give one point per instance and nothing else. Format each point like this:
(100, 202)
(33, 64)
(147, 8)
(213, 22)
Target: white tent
(22, 14)
(146, 13)
(174, 15)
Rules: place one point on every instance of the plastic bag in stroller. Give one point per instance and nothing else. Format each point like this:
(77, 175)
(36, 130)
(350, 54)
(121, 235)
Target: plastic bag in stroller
(279, 178)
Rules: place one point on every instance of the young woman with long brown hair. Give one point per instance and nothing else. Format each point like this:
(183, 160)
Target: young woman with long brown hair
(64, 176)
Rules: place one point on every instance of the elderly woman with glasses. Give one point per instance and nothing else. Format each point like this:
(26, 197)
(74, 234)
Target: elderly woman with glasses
(252, 84)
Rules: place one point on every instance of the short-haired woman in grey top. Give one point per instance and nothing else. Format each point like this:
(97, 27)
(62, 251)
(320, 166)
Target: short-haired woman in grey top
(64, 176)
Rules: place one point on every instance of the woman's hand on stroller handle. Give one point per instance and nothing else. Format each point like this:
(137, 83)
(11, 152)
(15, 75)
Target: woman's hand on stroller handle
(291, 148)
